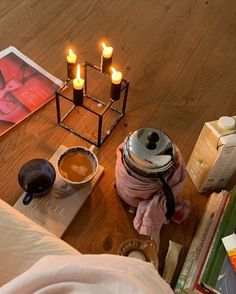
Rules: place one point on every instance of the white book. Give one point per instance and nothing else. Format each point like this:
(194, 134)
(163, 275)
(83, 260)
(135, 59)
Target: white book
(56, 210)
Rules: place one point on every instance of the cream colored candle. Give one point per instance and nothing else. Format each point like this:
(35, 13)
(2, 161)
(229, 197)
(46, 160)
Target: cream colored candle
(78, 88)
(106, 59)
(116, 76)
(116, 79)
(71, 57)
(71, 64)
(107, 51)
(78, 82)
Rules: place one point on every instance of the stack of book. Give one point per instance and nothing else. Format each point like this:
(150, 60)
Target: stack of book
(207, 268)
(56, 210)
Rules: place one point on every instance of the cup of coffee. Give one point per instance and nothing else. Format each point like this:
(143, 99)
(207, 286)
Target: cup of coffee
(77, 166)
(36, 177)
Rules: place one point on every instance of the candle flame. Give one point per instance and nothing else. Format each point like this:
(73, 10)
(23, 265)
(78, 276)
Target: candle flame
(78, 72)
(104, 45)
(113, 70)
(71, 52)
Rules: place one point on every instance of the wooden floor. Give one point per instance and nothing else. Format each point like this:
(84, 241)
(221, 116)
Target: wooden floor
(179, 57)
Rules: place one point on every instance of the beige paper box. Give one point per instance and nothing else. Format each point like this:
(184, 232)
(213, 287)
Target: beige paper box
(213, 160)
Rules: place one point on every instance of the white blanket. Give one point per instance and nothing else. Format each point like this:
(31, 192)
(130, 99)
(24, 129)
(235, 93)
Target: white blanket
(23, 242)
(88, 274)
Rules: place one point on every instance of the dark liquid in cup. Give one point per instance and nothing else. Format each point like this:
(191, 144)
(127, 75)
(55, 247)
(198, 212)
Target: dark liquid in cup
(39, 182)
(76, 167)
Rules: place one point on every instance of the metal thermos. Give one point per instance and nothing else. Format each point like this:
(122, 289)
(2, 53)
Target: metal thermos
(150, 153)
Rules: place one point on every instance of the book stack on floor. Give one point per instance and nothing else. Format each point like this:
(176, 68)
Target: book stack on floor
(207, 268)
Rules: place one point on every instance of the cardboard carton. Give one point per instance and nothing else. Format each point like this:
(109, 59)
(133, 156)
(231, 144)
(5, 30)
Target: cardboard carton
(213, 160)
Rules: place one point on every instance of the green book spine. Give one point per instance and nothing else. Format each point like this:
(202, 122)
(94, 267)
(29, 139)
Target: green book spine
(217, 253)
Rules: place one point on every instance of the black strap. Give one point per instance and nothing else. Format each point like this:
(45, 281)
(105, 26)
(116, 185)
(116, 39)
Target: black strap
(170, 199)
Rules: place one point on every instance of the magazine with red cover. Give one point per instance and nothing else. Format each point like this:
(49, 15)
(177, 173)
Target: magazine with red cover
(24, 87)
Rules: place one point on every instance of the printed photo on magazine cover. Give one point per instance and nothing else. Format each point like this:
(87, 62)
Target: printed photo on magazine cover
(24, 87)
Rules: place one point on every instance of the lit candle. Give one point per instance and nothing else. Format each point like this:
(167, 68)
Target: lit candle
(71, 64)
(116, 79)
(78, 88)
(106, 59)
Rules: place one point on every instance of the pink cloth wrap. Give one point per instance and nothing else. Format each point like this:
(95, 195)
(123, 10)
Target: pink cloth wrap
(148, 196)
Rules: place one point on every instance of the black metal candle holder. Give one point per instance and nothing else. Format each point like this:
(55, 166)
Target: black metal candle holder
(106, 106)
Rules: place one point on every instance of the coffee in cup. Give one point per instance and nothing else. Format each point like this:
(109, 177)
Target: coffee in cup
(77, 165)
